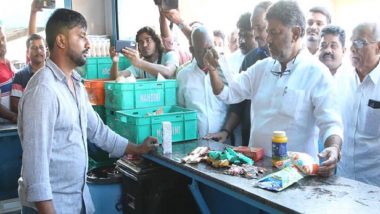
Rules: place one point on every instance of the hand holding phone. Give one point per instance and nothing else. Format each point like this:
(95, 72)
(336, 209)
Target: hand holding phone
(169, 4)
(120, 44)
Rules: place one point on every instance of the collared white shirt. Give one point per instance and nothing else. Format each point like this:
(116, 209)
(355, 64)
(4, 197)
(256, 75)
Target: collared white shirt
(361, 147)
(343, 79)
(195, 92)
(235, 61)
(294, 103)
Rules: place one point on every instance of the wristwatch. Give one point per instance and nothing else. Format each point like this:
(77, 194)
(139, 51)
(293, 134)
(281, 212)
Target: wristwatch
(180, 25)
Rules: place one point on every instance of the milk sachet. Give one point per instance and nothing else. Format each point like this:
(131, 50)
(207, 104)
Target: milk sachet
(167, 137)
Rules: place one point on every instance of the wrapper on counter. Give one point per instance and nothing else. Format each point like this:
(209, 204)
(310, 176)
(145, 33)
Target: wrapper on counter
(304, 162)
(216, 157)
(280, 180)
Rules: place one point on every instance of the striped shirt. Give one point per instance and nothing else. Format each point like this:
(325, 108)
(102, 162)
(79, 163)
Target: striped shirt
(54, 125)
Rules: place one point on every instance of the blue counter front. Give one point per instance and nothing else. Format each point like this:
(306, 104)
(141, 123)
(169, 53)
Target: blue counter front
(216, 192)
(10, 161)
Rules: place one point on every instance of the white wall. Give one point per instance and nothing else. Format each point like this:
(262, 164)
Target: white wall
(95, 13)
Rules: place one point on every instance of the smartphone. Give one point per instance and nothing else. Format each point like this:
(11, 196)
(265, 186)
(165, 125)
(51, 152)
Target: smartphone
(120, 44)
(169, 4)
(49, 4)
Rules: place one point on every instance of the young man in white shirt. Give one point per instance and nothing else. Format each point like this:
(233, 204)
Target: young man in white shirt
(317, 18)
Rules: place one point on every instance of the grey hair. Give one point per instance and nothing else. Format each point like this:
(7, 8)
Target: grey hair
(373, 27)
(288, 13)
(335, 30)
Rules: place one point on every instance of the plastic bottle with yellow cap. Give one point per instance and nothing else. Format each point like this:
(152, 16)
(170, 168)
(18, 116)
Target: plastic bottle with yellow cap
(279, 147)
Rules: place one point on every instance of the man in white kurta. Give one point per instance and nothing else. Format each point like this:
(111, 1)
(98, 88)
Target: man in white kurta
(295, 102)
(290, 91)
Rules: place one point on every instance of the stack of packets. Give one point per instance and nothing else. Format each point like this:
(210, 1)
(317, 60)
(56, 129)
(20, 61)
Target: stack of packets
(256, 153)
(228, 156)
(295, 168)
(132, 79)
(159, 111)
(197, 155)
(237, 163)
(122, 79)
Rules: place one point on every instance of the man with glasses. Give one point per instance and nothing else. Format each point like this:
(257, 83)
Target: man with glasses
(290, 91)
(36, 52)
(361, 115)
(149, 60)
(6, 76)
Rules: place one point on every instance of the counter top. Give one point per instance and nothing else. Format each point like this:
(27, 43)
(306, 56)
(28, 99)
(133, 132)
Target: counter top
(309, 195)
(8, 127)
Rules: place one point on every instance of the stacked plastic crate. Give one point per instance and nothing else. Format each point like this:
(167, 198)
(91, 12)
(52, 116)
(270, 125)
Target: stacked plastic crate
(95, 72)
(137, 110)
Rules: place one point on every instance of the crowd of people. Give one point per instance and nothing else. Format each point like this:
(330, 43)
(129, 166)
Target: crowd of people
(285, 71)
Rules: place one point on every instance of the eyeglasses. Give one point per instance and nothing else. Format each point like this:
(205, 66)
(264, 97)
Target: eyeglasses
(360, 43)
(279, 73)
(287, 71)
(148, 40)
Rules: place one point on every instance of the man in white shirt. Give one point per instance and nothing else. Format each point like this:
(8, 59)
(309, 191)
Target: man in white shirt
(361, 116)
(194, 87)
(331, 53)
(332, 48)
(317, 18)
(290, 91)
(246, 42)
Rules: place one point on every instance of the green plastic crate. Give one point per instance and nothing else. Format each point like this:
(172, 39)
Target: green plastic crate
(111, 119)
(124, 63)
(101, 111)
(99, 67)
(142, 94)
(104, 67)
(136, 125)
(89, 70)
